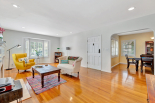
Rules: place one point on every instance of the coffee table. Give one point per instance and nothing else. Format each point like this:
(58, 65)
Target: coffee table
(45, 70)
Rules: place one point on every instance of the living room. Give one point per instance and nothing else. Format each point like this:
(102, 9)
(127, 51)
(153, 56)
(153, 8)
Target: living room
(36, 30)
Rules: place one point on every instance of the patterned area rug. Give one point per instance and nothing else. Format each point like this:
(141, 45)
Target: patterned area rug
(50, 81)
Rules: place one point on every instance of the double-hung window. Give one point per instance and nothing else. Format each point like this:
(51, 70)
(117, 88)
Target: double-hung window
(114, 47)
(33, 45)
(128, 47)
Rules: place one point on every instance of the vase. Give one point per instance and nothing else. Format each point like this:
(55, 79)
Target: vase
(1, 39)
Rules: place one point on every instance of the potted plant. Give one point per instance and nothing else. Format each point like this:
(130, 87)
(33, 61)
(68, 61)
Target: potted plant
(58, 49)
(38, 53)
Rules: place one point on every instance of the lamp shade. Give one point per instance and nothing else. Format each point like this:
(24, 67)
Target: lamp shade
(18, 46)
(67, 48)
(151, 49)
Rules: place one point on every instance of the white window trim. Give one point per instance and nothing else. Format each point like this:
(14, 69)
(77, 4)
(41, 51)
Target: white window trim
(115, 48)
(134, 47)
(36, 39)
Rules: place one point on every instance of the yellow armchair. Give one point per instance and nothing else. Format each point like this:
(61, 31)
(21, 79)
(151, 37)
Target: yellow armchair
(22, 65)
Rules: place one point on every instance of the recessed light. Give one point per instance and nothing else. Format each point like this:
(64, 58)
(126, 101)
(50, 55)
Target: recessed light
(16, 6)
(131, 8)
(23, 27)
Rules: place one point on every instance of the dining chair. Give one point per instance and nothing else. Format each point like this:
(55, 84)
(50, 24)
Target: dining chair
(129, 61)
(147, 61)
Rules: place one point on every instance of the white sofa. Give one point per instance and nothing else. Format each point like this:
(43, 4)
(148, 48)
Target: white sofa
(69, 68)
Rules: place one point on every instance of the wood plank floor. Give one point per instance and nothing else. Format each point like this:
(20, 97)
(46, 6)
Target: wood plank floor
(93, 86)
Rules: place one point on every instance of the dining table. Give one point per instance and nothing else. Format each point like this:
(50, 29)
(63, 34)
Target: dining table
(138, 59)
(137, 63)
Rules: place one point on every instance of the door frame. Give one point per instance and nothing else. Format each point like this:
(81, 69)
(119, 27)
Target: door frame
(100, 50)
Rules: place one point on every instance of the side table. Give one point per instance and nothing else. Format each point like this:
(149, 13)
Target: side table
(15, 94)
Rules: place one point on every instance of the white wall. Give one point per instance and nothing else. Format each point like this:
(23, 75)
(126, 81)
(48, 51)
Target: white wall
(78, 42)
(13, 38)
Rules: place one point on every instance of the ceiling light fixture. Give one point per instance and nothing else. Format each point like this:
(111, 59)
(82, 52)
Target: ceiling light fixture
(16, 6)
(70, 32)
(23, 27)
(57, 34)
(131, 8)
(152, 37)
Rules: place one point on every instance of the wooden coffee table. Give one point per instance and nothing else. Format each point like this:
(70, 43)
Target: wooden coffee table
(45, 70)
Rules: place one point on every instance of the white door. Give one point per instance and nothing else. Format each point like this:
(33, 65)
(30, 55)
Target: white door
(94, 52)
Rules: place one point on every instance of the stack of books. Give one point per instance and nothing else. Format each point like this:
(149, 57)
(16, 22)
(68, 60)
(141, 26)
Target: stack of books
(6, 84)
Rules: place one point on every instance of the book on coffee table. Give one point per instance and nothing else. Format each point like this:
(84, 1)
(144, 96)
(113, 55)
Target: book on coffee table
(6, 81)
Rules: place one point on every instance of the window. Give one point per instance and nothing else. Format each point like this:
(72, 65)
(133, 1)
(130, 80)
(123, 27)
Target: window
(31, 45)
(128, 47)
(114, 47)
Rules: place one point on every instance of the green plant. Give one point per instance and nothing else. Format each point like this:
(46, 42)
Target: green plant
(1, 37)
(58, 48)
(37, 52)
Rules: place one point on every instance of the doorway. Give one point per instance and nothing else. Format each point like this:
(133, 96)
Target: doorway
(94, 52)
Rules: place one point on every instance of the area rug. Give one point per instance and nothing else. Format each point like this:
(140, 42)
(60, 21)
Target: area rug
(50, 81)
(26, 94)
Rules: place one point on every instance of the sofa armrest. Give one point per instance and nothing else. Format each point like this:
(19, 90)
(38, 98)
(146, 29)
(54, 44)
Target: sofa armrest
(78, 60)
(31, 60)
(77, 64)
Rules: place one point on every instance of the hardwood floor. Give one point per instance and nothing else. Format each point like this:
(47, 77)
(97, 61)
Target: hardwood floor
(93, 86)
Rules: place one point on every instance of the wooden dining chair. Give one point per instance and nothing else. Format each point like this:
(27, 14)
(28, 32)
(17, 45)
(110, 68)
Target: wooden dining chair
(147, 61)
(129, 61)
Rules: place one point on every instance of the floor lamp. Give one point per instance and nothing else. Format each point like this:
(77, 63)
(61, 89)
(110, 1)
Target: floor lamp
(18, 46)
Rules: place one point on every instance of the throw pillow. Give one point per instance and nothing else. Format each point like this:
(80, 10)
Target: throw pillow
(72, 58)
(21, 59)
(24, 59)
(64, 61)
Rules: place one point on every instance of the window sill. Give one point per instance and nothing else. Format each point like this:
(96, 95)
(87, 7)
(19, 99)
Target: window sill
(129, 55)
(37, 57)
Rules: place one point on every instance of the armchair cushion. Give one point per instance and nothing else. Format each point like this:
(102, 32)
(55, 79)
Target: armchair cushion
(64, 61)
(24, 59)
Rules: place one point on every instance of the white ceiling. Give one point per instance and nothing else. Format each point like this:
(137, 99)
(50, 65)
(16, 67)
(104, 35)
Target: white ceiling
(52, 17)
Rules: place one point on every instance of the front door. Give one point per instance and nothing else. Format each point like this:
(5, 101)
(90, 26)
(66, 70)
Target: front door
(94, 52)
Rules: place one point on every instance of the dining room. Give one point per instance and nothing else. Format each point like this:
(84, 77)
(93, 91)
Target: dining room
(133, 49)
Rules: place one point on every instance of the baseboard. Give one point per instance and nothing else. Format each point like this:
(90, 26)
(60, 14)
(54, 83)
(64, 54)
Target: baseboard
(126, 63)
(45, 63)
(84, 66)
(115, 65)
(106, 71)
(120, 63)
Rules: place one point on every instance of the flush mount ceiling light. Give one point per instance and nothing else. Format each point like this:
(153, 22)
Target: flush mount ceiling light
(15, 6)
(152, 37)
(131, 8)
